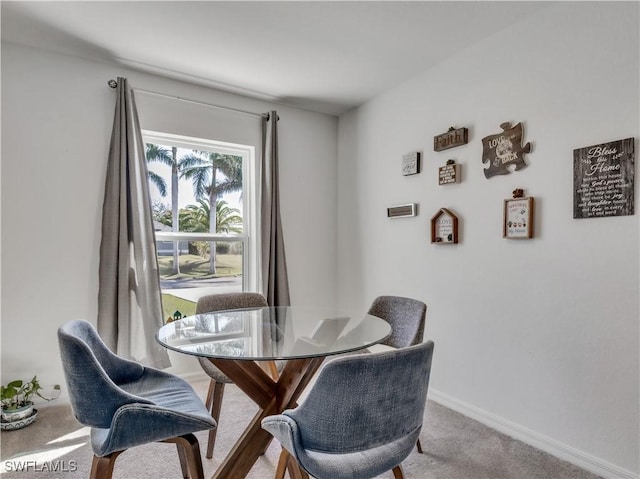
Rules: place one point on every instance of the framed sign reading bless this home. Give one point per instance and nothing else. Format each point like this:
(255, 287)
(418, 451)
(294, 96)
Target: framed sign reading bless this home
(603, 179)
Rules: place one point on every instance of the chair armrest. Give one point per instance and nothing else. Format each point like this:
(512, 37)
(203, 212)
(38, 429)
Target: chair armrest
(135, 424)
(285, 430)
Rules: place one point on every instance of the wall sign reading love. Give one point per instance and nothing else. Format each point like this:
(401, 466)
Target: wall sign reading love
(603, 179)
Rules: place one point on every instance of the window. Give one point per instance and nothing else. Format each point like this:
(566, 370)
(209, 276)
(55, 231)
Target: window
(203, 200)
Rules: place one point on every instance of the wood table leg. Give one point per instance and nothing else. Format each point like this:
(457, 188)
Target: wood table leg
(271, 397)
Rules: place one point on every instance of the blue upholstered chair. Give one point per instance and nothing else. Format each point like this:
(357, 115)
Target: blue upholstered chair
(127, 404)
(361, 418)
(222, 302)
(406, 317)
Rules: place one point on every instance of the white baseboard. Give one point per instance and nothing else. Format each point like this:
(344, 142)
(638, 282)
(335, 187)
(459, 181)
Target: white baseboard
(537, 440)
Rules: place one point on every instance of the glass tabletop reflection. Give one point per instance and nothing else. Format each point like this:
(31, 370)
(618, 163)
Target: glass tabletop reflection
(272, 333)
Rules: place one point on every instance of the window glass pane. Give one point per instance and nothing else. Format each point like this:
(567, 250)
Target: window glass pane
(184, 184)
(182, 287)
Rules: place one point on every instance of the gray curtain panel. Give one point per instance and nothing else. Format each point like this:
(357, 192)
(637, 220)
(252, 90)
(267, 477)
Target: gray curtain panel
(275, 282)
(129, 298)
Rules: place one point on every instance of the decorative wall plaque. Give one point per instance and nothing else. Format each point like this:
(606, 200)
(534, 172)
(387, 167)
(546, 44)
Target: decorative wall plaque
(402, 211)
(411, 163)
(450, 173)
(444, 227)
(603, 179)
(453, 137)
(503, 150)
(518, 217)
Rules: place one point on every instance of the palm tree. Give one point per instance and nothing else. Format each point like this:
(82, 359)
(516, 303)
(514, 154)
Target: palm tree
(228, 219)
(212, 174)
(196, 218)
(162, 155)
(155, 153)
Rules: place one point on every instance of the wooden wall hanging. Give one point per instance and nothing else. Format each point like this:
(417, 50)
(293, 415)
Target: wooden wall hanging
(402, 211)
(518, 216)
(444, 227)
(411, 163)
(603, 179)
(448, 174)
(503, 150)
(453, 137)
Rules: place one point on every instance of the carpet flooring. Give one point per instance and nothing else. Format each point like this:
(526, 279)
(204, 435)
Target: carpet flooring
(455, 447)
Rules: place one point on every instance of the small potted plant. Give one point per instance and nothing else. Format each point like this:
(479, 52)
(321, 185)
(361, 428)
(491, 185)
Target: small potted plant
(16, 398)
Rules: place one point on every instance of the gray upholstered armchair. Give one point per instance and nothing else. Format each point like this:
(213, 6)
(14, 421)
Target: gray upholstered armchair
(361, 418)
(406, 317)
(221, 302)
(127, 404)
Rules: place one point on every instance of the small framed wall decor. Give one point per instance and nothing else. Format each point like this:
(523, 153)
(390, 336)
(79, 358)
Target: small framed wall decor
(444, 227)
(518, 216)
(504, 149)
(402, 211)
(449, 174)
(411, 163)
(452, 138)
(603, 179)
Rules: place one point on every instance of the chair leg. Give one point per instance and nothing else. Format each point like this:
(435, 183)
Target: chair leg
(397, 472)
(295, 471)
(102, 467)
(184, 462)
(189, 453)
(282, 464)
(287, 462)
(209, 399)
(419, 446)
(214, 407)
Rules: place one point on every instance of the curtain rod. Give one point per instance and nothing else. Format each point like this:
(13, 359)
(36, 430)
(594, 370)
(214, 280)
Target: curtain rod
(114, 84)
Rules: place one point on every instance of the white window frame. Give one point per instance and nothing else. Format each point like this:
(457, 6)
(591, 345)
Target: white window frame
(250, 194)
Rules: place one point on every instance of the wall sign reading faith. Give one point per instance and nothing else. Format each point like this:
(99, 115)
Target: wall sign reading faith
(603, 179)
(453, 137)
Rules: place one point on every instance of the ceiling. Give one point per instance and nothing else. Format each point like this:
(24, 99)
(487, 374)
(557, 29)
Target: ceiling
(318, 55)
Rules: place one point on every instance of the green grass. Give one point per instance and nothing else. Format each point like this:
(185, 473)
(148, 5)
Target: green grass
(171, 304)
(193, 266)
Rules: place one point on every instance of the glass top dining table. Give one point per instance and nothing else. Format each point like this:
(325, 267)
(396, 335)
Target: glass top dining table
(272, 333)
(240, 342)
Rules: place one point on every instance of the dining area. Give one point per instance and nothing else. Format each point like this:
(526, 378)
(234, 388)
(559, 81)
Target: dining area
(536, 362)
(454, 447)
(361, 417)
(293, 392)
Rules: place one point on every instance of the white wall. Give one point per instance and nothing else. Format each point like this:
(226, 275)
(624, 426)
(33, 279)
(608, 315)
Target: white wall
(540, 335)
(57, 114)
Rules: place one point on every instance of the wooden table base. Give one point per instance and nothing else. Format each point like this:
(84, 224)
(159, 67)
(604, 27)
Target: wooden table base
(272, 397)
